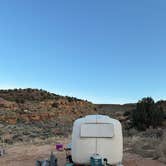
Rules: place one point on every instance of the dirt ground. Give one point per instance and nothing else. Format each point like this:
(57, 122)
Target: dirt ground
(26, 155)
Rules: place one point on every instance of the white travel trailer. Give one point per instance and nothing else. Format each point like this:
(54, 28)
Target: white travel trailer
(97, 134)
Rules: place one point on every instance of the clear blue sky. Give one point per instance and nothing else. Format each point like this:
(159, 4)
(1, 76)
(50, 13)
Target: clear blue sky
(103, 51)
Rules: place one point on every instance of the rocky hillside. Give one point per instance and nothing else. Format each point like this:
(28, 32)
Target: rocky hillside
(32, 113)
(38, 105)
(28, 113)
(116, 110)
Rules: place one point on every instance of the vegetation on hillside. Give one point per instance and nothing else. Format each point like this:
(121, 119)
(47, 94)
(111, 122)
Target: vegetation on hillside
(26, 114)
(147, 114)
(29, 114)
(29, 94)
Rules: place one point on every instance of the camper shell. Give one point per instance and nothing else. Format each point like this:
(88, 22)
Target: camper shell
(97, 134)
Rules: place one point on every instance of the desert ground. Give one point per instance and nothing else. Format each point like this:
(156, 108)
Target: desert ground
(26, 154)
(32, 121)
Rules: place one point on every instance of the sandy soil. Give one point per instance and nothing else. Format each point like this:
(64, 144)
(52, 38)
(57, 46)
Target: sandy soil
(26, 155)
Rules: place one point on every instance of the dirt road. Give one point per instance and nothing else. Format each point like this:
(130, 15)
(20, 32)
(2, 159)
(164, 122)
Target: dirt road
(26, 155)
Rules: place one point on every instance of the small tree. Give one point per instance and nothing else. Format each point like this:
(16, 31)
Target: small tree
(147, 114)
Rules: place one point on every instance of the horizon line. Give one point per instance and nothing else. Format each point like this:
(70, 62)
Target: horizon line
(82, 98)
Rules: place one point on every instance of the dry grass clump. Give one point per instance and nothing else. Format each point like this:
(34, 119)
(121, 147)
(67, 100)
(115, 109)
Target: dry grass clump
(142, 146)
(147, 146)
(161, 149)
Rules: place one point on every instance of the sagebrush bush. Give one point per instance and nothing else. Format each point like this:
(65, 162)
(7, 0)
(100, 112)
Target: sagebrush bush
(161, 149)
(147, 144)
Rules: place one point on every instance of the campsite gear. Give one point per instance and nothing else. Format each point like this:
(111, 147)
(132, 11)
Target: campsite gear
(105, 162)
(38, 163)
(96, 160)
(69, 164)
(51, 162)
(69, 160)
(97, 134)
(59, 147)
(69, 146)
(120, 164)
(2, 152)
(43, 163)
(96, 141)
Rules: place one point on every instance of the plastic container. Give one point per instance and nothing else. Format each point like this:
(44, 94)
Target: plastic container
(96, 160)
(59, 147)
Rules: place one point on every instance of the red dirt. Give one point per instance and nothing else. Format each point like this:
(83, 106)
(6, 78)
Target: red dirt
(26, 155)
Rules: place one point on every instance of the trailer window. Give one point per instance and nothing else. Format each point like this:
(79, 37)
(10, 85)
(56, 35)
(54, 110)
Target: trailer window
(99, 130)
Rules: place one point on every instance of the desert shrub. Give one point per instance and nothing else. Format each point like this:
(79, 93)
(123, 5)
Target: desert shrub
(152, 133)
(145, 147)
(55, 105)
(70, 99)
(161, 150)
(127, 113)
(20, 101)
(147, 114)
(147, 144)
(130, 132)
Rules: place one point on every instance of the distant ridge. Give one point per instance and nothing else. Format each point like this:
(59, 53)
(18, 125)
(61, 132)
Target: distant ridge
(35, 113)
